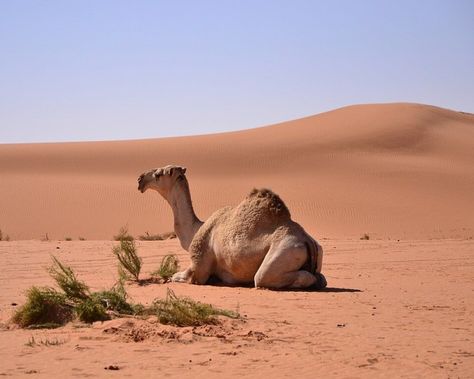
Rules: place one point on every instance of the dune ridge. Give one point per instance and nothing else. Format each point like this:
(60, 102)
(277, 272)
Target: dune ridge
(390, 170)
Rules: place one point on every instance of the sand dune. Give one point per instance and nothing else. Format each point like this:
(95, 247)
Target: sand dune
(392, 171)
(397, 309)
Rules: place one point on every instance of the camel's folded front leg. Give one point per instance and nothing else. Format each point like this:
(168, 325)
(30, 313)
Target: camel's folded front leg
(183, 276)
(195, 274)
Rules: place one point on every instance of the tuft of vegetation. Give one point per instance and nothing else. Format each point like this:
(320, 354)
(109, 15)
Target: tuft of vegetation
(44, 306)
(4, 237)
(168, 267)
(113, 300)
(65, 278)
(82, 239)
(123, 235)
(91, 310)
(183, 311)
(130, 263)
(365, 237)
(157, 237)
(68, 239)
(47, 342)
(49, 308)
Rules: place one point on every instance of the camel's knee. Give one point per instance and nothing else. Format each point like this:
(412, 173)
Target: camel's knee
(264, 278)
(260, 280)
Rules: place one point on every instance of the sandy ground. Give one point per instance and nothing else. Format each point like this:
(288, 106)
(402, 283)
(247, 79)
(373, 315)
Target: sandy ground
(393, 309)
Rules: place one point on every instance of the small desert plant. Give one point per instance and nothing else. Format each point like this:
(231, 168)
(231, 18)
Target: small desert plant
(98, 305)
(168, 267)
(47, 342)
(130, 263)
(365, 237)
(157, 237)
(82, 239)
(123, 235)
(183, 311)
(68, 239)
(90, 310)
(114, 300)
(49, 308)
(4, 238)
(65, 278)
(44, 307)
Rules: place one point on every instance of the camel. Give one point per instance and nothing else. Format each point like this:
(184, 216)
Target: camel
(255, 242)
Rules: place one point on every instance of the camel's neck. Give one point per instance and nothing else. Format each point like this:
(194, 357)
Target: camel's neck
(186, 223)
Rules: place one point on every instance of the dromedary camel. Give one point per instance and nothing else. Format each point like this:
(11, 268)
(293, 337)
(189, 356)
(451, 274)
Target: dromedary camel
(255, 242)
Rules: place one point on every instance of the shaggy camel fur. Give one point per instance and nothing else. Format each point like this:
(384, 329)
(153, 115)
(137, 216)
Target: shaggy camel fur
(255, 242)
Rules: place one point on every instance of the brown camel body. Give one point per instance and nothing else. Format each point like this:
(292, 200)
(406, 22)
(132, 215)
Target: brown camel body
(255, 242)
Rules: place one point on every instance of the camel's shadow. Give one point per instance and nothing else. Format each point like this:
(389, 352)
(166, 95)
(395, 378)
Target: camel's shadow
(339, 289)
(322, 290)
(215, 282)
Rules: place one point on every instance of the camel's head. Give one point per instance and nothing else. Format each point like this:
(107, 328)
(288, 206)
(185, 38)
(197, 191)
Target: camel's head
(161, 179)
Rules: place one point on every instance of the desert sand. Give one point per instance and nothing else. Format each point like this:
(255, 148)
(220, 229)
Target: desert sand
(398, 305)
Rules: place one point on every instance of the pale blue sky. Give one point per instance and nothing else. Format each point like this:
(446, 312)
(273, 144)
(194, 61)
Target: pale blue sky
(101, 70)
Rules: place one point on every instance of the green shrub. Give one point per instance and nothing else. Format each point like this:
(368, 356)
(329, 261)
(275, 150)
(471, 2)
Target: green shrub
(96, 306)
(65, 278)
(168, 267)
(183, 311)
(123, 235)
(114, 301)
(44, 306)
(130, 263)
(90, 310)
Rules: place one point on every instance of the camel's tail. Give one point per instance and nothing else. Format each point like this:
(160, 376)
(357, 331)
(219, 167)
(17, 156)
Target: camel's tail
(315, 257)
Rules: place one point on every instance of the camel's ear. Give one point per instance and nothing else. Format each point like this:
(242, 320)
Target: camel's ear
(158, 173)
(181, 170)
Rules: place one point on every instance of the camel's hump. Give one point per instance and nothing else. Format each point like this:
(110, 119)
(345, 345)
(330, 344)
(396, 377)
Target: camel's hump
(270, 200)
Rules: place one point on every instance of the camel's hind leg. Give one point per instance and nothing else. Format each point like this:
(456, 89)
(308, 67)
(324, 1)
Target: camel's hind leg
(281, 268)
